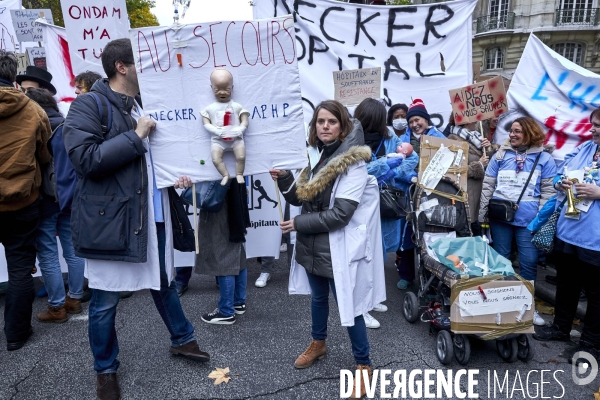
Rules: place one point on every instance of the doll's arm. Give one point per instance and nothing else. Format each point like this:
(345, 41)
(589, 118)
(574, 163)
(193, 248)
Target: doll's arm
(211, 128)
(239, 130)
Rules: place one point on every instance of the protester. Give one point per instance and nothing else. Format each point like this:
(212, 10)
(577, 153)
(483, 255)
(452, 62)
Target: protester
(120, 223)
(577, 249)
(505, 179)
(25, 131)
(329, 191)
(477, 162)
(419, 124)
(267, 265)
(222, 253)
(396, 119)
(58, 185)
(35, 78)
(84, 81)
(489, 128)
(397, 172)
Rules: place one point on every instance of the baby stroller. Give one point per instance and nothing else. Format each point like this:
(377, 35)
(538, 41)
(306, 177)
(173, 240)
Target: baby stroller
(432, 302)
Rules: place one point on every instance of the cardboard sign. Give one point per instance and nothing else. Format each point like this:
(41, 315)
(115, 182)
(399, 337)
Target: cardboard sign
(26, 28)
(23, 62)
(457, 171)
(90, 28)
(353, 86)
(479, 101)
(37, 56)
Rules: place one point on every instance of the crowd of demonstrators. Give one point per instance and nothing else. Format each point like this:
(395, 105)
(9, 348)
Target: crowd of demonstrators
(520, 158)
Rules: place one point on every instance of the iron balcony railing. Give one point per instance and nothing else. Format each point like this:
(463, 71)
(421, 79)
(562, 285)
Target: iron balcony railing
(488, 23)
(580, 16)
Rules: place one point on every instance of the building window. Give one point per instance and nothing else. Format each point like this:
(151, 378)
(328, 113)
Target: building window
(570, 51)
(494, 58)
(576, 12)
(499, 8)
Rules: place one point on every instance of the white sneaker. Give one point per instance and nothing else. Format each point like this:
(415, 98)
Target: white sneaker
(262, 279)
(537, 319)
(380, 307)
(371, 322)
(283, 248)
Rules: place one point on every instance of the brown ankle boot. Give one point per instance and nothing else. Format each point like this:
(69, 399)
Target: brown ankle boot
(315, 351)
(72, 306)
(54, 314)
(359, 392)
(107, 387)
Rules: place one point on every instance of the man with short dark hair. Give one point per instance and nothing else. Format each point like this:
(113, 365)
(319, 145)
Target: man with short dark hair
(24, 132)
(120, 221)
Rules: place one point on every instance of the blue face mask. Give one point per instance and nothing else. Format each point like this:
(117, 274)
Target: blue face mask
(399, 124)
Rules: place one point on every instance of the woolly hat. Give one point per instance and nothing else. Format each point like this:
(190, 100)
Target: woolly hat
(417, 109)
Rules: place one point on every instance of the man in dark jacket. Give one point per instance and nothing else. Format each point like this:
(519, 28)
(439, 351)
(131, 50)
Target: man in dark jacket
(119, 222)
(24, 132)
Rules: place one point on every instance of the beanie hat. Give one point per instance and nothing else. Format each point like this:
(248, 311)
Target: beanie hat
(417, 109)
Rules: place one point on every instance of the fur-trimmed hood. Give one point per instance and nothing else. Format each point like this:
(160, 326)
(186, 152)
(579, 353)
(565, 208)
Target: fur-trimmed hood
(307, 190)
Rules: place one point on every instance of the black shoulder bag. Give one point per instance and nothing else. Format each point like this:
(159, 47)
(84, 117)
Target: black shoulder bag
(183, 233)
(504, 210)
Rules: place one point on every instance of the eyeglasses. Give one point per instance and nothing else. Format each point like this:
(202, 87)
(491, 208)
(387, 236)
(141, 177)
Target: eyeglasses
(516, 131)
(26, 89)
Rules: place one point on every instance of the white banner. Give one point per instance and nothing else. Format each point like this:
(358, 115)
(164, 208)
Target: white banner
(26, 29)
(4, 270)
(90, 28)
(557, 93)
(58, 62)
(8, 37)
(173, 69)
(264, 235)
(423, 51)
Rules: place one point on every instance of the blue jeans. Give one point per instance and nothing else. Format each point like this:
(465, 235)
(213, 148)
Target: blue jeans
(319, 287)
(183, 276)
(47, 254)
(502, 235)
(233, 291)
(103, 309)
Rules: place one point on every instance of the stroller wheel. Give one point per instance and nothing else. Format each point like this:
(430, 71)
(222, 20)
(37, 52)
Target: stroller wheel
(410, 307)
(444, 347)
(526, 351)
(508, 349)
(462, 349)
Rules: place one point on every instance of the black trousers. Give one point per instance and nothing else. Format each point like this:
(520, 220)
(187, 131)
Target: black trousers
(572, 276)
(17, 235)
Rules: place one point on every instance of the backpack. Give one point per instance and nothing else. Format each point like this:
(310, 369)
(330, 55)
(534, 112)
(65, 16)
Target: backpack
(104, 110)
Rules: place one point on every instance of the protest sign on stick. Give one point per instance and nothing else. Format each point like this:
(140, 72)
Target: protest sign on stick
(173, 70)
(353, 86)
(26, 28)
(90, 28)
(37, 56)
(8, 37)
(23, 62)
(479, 102)
(264, 234)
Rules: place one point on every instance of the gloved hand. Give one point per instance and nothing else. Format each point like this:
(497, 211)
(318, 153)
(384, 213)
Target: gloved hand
(383, 178)
(394, 162)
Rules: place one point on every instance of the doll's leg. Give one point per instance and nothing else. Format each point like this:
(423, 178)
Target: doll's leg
(239, 150)
(216, 152)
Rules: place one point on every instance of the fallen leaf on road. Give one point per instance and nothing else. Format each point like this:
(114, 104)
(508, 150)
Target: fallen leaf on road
(220, 375)
(576, 321)
(597, 395)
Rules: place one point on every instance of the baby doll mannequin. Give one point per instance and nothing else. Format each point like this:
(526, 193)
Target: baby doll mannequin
(227, 121)
(403, 151)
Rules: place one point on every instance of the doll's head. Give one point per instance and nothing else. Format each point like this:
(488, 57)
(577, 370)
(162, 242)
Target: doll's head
(221, 82)
(405, 148)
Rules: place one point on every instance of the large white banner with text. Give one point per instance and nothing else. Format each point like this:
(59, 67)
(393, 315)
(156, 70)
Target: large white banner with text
(557, 93)
(58, 61)
(173, 69)
(8, 37)
(423, 51)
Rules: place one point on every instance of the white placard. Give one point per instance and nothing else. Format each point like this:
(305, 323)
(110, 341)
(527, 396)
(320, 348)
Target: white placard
(407, 42)
(266, 83)
(438, 166)
(90, 26)
(4, 271)
(58, 62)
(557, 93)
(37, 57)
(22, 62)
(8, 37)
(26, 29)
(499, 300)
(264, 235)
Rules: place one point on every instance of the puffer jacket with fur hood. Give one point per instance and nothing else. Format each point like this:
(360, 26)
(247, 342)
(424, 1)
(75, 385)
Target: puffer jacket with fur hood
(313, 192)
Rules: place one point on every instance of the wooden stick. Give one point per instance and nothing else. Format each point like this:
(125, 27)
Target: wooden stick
(278, 201)
(195, 220)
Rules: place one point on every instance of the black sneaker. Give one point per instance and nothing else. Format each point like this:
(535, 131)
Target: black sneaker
(216, 317)
(546, 333)
(585, 347)
(181, 289)
(239, 310)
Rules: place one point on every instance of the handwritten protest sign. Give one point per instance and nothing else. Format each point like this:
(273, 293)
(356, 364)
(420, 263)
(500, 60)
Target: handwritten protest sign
(414, 45)
(353, 86)
(23, 62)
(26, 28)
(7, 31)
(90, 28)
(173, 69)
(443, 158)
(479, 101)
(37, 56)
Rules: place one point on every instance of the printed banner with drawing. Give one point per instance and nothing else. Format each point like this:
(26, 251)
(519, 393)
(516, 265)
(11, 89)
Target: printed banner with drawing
(264, 235)
(557, 93)
(174, 68)
(424, 50)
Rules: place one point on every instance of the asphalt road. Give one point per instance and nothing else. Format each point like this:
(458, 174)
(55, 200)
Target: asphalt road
(260, 349)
